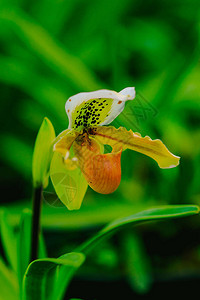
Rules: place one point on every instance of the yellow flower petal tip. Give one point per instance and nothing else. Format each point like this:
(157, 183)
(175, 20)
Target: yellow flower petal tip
(129, 140)
(175, 164)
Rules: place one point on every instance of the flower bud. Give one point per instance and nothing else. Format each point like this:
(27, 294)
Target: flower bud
(42, 154)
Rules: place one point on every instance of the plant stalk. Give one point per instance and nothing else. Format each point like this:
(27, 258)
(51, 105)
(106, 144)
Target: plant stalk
(36, 213)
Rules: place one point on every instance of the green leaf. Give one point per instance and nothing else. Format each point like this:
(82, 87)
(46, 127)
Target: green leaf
(157, 213)
(98, 214)
(8, 283)
(9, 241)
(42, 271)
(70, 185)
(66, 272)
(42, 154)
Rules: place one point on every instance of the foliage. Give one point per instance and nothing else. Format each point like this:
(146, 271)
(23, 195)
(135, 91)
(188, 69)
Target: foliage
(51, 50)
(48, 278)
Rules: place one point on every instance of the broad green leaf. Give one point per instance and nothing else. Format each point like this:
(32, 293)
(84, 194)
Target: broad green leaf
(70, 185)
(9, 288)
(157, 213)
(42, 271)
(9, 241)
(65, 274)
(42, 154)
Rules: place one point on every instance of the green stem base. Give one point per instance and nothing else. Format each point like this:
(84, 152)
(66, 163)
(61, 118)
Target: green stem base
(36, 213)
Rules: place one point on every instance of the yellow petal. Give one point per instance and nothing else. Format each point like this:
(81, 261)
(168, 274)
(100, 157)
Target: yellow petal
(102, 171)
(121, 138)
(64, 142)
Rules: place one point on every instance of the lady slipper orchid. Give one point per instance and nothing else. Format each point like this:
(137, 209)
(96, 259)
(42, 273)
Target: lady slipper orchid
(79, 150)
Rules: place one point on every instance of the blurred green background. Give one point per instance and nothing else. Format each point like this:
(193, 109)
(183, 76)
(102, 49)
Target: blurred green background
(53, 49)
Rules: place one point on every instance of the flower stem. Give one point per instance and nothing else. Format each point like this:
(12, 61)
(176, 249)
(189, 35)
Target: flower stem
(35, 231)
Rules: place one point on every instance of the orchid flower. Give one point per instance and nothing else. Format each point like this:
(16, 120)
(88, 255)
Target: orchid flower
(79, 159)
